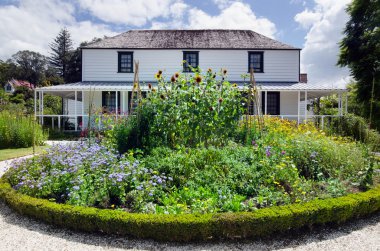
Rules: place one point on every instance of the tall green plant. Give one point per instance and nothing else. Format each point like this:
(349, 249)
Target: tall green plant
(193, 109)
(16, 130)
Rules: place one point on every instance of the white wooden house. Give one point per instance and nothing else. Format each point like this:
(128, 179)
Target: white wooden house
(108, 70)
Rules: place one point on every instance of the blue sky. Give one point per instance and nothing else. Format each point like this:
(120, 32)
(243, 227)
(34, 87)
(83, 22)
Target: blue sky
(313, 25)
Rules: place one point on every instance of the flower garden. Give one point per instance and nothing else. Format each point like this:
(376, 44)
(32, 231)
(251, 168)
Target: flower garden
(187, 151)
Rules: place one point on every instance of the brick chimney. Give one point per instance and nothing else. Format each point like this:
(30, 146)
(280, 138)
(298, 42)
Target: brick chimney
(303, 78)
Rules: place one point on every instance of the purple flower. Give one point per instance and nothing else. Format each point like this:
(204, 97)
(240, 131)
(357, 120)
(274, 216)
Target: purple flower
(76, 188)
(150, 194)
(283, 152)
(267, 151)
(313, 155)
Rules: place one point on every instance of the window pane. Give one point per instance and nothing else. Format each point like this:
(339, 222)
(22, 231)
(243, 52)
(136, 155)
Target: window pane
(255, 61)
(125, 62)
(191, 60)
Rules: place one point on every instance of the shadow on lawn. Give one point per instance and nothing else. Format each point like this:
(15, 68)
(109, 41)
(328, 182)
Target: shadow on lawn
(51, 236)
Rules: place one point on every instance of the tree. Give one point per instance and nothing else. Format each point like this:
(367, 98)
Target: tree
(8, 70)
(61, 53)
(74, 69)
(31, 66)
(360, 51)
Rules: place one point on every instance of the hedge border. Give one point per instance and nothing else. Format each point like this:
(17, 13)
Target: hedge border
(195, 227)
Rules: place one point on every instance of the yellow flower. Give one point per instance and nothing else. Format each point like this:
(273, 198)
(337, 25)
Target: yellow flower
(157, 76)
(198, 79)
(112, 206)
(234, 85)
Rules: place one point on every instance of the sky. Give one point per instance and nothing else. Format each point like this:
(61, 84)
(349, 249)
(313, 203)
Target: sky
(315, 26)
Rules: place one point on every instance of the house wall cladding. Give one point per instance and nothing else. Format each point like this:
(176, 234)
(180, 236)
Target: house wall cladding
(102, 64)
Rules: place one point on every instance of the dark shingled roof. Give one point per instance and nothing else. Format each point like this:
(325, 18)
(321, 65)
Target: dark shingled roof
(190, 39)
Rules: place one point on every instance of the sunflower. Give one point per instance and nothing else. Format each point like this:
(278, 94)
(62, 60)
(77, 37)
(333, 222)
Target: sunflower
(157, 76)
(160, 72)
(209, 70)
(214, 76)
(220, 100)
(150, 86)
(198, 79)
(224, 72)
(154, 90)
(135, 85)
(234, 85)
(176, 75)
(211, 108)
(172, 79)
(162, 96)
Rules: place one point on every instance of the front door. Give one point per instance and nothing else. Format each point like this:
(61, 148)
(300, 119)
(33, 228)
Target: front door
(273, 103)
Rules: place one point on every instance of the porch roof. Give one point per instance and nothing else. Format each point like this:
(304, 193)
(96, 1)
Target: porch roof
(128, 85)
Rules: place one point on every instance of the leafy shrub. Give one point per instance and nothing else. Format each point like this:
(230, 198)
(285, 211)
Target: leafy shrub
(351, 125)
(233, 178)
(17, 130)
(134, 132)
(190, 110)
(191, 227)
(315, 155)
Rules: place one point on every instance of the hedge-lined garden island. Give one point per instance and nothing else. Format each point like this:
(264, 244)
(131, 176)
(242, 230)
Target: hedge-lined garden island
(189, 154)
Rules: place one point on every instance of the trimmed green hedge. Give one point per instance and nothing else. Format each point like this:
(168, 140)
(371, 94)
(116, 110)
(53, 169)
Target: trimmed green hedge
(189, 227)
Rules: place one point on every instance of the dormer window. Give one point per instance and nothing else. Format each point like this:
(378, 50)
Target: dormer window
(125, 62)
(256, 61)
(191, 58)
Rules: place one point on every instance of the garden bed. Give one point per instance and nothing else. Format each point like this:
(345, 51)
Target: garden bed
(187, 167)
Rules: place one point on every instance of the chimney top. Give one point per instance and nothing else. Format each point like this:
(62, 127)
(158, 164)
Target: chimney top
(303, 78)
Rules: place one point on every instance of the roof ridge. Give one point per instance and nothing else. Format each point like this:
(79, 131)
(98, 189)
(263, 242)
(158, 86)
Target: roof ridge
(190, 38)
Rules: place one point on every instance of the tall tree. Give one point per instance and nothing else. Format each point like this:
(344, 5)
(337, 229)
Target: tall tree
(360, 51)
(31, 66)
(61, 54)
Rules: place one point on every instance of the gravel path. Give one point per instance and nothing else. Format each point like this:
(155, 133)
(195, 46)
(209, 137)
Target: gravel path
(21, 233)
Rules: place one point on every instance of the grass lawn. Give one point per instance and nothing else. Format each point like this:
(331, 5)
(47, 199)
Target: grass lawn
(18, 152)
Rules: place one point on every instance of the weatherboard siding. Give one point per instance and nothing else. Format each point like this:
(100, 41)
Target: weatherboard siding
(102, 64)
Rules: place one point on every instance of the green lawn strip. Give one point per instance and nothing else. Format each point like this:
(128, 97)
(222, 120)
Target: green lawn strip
(6, 154)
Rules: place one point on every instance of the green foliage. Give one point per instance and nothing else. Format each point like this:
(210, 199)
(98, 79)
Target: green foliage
(357, 128)
(286, 165)
(31, 66)
(190, 110)
(193, 227)
(61, 53)
(315, 155)
(16, 130)
(360, 51)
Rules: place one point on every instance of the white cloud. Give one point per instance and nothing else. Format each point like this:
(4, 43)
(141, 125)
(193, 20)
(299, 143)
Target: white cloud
(237, 15)
(32, 25)
(232, 15)
(320, 53)
(307, 18)
(128, 12)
